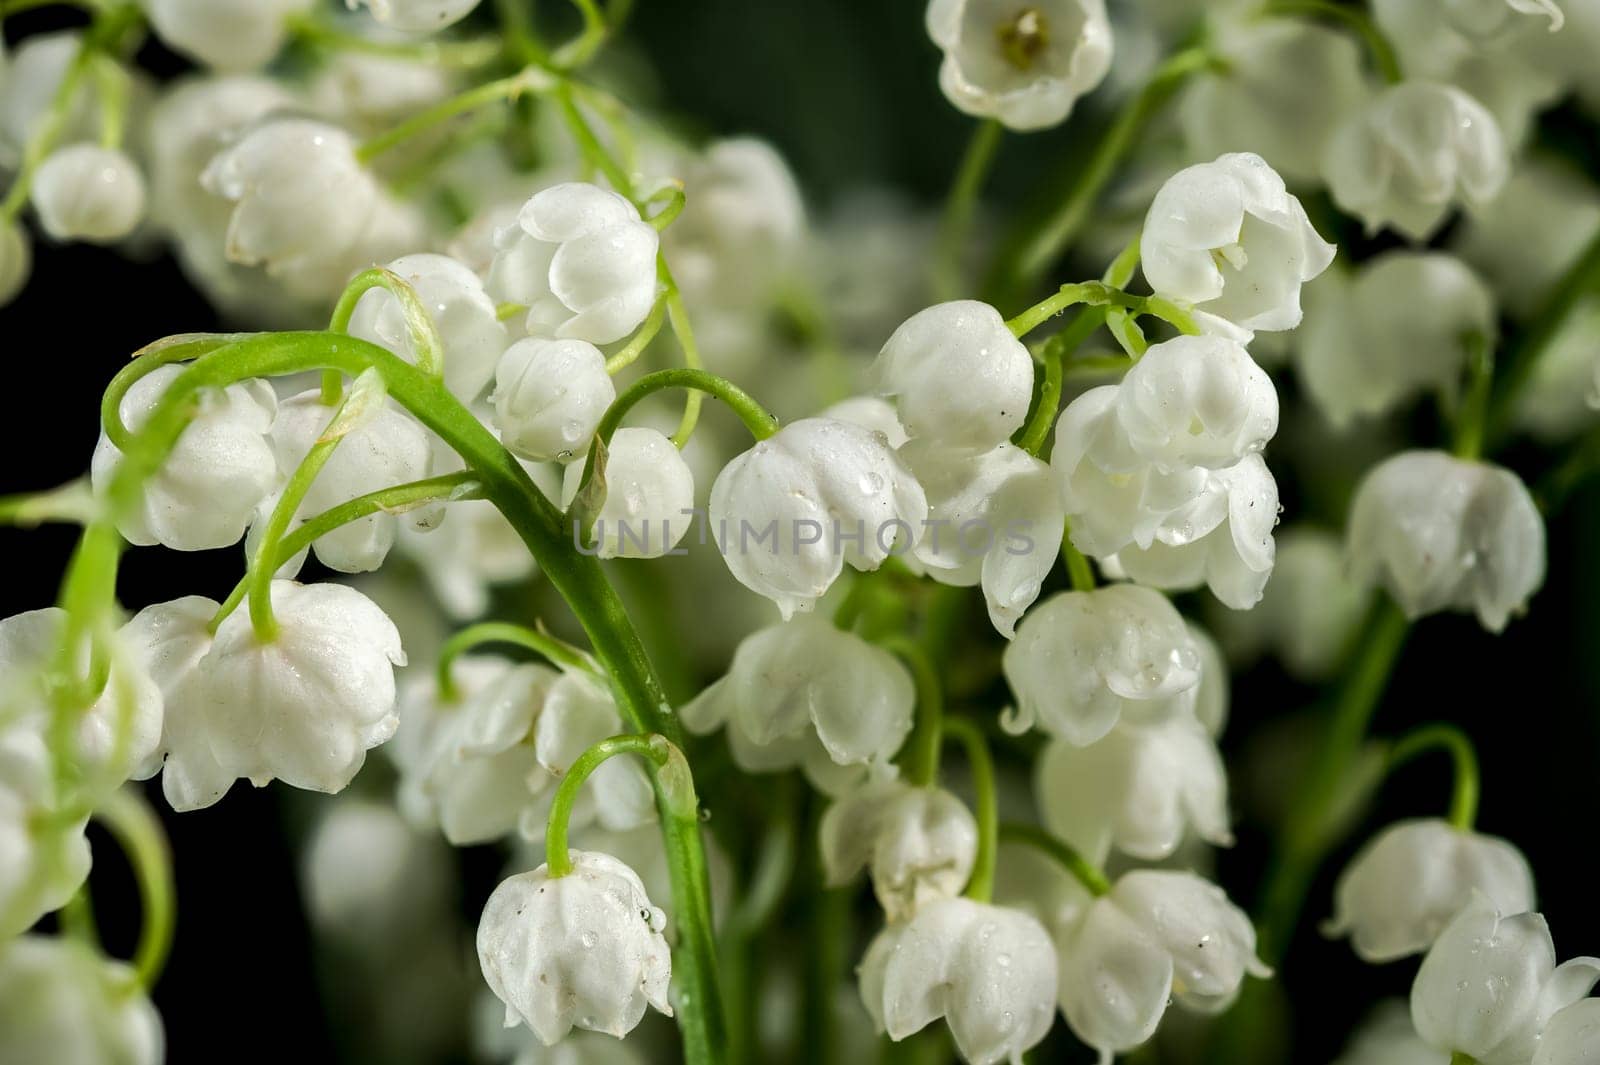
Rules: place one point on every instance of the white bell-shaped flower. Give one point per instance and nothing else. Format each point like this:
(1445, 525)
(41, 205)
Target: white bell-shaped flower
(208, 488)
(1157, 937)
(1227, 546)
(302, 200)
(994, 518)
(791, 511)
(1387, 1037)
(581, 260)
(1572, 1037)
(1197, 401)
(307, 705)
(741, 227)
(89, 193)
(63, 1003)
(1227, 238)
(16, 260)
(1114, 496)
(1408, 157)
(1082, 661)
(989, 971)
(30, 79)
(803, 693)
(1442, 533)
(1560, 396)
(468, 766)
(959, 378)
(224, 34)
(549, 395)
(368, 878)
(1287, 85)
(418, 16)
(1412, 878)
(578, 713)
(1141, 789)
(41, 865)
(1397, 329)
(872, 413)
(1026, 67)
(385, 447)
(649, 495)
(918, 844)
(472, 333)
(1489, 984)
(1485, 19)
(583, 950)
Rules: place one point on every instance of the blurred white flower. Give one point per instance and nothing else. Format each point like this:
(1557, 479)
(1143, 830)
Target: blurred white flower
(63, 1003)
(1572, 1036)
(1387, 1037)
(368, 877)
(918, 844)
(224, 34)
(89, 193)
(417, 16)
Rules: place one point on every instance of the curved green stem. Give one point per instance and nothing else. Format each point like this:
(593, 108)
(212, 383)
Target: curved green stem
(669, 213)
(678, 318)
(652, 748)
(180, 348)
(1100, 294)
(1452, 740)
(755, 417)
(528, 79)
(562, 654)
(920, 757)
(987, 810)
(138, 831)
(635, 347)
(962, 202)
(1356, 19)
(1084, 871)
(426, 343)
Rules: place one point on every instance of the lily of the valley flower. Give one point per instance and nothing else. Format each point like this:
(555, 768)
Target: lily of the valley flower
(86, 192)
(1572, 1037)
(418, 16)
(63, 1003)
(582, 950)
(649, 495)
(917, 843)
(224, 34)
(1197, 401)
(549, 396)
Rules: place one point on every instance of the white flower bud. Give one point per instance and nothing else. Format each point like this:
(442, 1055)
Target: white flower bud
(302, 200)
(582, 950)
(918, 844)
(16, 260)
(306, 706)
(1197, 401)
(987, 970)
(803, 693)
(1140, 788)
(89, 193)
(1398, 329)
(792, 510)
(1158, 936)
(1229, 239)
(472, 334)
(994, 518)
(549, 395)
(582, 262)
(1442, 533)
(741, 226)
(207, 490)
(417, 16)
(386, 447)
(958, 376)
(224, 34)
(1224, 542)
(1083, 660)
(1406, 884)
(1288, 84)
(1405, 159)
(29, 82)
(649, 495)
(1488, 985)
(61, 1002)
(1572, 1037)
(1026, 68)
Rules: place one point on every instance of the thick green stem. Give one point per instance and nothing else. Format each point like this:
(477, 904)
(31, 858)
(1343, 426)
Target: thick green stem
(962, 202)
(987, 808)
(1474, 412)
(181, 348)
(1450, 739)
(562, 654)
(920, 757)
(654, 749)
(1084, 871)
(138, 831)
(1307, 834)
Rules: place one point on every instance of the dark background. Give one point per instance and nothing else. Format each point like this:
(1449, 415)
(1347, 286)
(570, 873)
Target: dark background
(846, 89)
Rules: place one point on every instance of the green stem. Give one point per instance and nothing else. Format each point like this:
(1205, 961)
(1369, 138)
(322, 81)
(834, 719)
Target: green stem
(1453, 741)
(987, 808)
(1581, 462)
(678, 317)
(1036, 430)
(72, 502)
(676, 201)
(1079, 572)
(426, 344)
(1056, 234)
(588, 144)
(468, 54)
(1581, 279)
(111, 97)
(754, 416)
(920, 757)
(1459, 1058)
(76, 919)
(1100, 294)
(773, 870)
(1474, 410)
(528, 79)
(1356, 19)
(562, 654)
(582, 48)
(180, 348)
(1084, 871)
(51, 125)
(138, 831)
(962, 202)
(1307, 834)
(654, 749)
